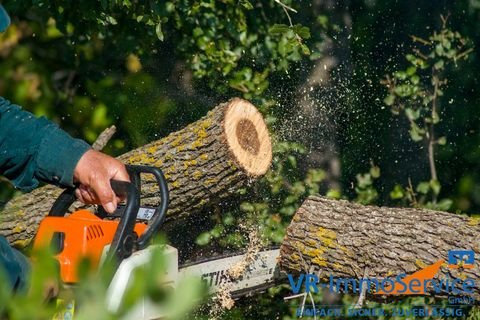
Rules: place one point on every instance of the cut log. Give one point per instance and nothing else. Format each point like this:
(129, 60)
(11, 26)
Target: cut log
(204, 163)
(343, 239)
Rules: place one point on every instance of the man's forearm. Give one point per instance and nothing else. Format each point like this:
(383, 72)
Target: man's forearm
(33, 149)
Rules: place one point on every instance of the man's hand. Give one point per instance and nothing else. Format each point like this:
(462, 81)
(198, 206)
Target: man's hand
(94, 172)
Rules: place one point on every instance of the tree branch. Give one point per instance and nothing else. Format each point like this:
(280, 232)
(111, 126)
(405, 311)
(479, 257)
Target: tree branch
(103, 138)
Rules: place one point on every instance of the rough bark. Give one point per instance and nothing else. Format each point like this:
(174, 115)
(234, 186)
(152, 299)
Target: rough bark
(343, 239)
(204, 163)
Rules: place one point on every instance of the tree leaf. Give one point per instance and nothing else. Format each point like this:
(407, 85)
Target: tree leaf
(415, 79)
(247, 207)
(416, 133)
(435, 185)
(246, 4)
(439, 64)
(412, 114)
(111, 20)
(375, 172)
(290, 199)
(423, 187)
(334, 194)
(203, 238)
(279, 29)
(444, 204)
(397, 192)
(411, 71)
(389, 100)
(364, 180)
(323, 21)
(305, 49)
(292, 160)
(158, 31)
(435, 118)
(302, 31)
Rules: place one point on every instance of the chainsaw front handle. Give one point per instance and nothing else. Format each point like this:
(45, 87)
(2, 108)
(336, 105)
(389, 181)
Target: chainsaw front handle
(160, 211)
(124, 240)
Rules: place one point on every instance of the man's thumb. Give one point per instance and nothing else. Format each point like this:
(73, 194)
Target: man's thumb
(110, 207)
(105, 195)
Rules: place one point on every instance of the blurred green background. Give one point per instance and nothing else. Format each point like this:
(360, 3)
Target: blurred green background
(315, 72)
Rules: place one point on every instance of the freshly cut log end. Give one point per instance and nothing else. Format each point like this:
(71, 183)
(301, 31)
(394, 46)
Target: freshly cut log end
(247, 137)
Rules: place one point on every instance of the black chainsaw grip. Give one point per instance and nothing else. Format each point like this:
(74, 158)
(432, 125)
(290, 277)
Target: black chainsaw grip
(123, 240)
(161, 211)
(67, 198)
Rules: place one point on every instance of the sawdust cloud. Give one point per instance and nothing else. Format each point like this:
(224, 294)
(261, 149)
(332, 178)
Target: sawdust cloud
(222, 300)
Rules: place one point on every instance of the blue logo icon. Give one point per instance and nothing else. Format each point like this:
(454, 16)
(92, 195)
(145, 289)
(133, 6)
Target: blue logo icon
(461, 258)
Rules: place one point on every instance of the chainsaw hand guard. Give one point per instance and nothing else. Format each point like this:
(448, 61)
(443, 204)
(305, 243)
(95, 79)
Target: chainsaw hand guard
(123, 241)
(161, 211)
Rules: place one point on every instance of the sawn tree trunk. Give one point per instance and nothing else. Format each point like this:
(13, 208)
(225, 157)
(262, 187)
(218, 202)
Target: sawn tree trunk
(204, 163)
(348, 240)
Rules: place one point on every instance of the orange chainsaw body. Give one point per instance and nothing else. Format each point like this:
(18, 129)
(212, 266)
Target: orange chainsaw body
(81, 235)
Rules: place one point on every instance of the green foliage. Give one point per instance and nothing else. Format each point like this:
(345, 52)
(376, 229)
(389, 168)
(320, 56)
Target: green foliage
(284, 187)
(220, 40)
(365, 190)
(415, 93)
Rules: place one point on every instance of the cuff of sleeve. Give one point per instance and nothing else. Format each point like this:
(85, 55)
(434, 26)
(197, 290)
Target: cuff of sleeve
(58, 156)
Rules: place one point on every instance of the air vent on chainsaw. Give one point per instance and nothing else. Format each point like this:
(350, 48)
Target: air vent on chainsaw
(94, 231)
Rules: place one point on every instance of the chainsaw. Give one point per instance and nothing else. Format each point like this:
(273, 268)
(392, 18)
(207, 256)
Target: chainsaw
(123, 240)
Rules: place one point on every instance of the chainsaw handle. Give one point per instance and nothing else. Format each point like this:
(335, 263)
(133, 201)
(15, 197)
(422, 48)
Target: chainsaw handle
(123, 240)
(67, 198)
(161, 211)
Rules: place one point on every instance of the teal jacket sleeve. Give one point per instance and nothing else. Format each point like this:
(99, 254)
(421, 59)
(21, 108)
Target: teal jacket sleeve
(35, 149)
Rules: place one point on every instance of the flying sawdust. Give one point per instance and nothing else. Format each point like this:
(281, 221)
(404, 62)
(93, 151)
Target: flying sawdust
(223, 299)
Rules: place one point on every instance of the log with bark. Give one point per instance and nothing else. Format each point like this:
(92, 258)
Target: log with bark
(204, 163)
(348, 240)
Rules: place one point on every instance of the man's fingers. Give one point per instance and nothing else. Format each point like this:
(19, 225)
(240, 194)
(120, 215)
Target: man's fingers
(94, 171)
(78, 194)
(105, 194)
(84, 195)
(121, 174)
(89, 196)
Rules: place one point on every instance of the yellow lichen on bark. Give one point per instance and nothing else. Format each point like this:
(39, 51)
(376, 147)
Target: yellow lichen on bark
(327, 237)
(473, 221)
